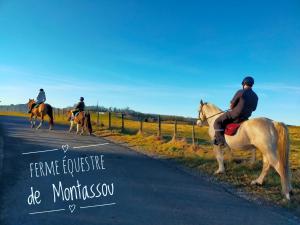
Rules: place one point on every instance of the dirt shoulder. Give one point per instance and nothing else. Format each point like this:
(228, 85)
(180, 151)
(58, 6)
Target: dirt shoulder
(200, 161)
(1, 149)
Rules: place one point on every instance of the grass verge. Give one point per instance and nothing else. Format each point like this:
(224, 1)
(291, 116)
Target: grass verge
(239, 171)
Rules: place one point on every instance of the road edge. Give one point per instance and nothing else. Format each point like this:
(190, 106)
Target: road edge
(1, 149)
(227, 187)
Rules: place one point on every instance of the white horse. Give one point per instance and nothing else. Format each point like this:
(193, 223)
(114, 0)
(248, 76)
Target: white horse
(269, 137)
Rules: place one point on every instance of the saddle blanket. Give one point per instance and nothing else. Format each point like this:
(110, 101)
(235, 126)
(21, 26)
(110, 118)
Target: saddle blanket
(232, 128)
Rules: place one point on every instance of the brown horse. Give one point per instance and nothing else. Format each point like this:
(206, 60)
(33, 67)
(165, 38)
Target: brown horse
(40, 112)
(82, 119)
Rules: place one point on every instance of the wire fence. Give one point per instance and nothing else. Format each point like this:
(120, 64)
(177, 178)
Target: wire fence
(127, 124)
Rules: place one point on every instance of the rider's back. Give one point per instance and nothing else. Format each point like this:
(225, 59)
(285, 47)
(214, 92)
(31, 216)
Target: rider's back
(244, 103)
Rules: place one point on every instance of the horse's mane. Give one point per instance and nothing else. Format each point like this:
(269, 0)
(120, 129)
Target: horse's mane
(213, 107)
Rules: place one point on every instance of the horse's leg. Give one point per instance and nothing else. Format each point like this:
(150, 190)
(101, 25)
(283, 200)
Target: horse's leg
(219, 153)
(264, 172)
(41, 123)
(253, 156)
(34, 121)
(31, 121)
(78, 126)
(230, 154)
(82, 127)
(71, 125)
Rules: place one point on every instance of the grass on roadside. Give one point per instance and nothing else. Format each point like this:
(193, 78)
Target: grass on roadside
(239, 171)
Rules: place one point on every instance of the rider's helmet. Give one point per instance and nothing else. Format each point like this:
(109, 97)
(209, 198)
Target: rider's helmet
(41, 89)
(81, 99)
(248, 81)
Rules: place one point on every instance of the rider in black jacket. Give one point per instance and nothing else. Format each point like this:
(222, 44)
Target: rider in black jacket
(242, 105)
(79, 107)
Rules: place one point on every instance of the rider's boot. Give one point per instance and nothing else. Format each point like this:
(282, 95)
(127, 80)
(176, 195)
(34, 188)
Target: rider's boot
(219, 139)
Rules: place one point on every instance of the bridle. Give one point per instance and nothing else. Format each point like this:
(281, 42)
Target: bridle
(206, 118)
(30, 103)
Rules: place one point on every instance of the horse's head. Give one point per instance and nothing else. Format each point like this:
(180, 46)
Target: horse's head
(69, 113)
(30, 103)
(207, 114)
(202, 114)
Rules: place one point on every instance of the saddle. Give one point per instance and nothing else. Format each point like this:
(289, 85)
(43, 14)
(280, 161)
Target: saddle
(232, 128)
(77, 113)
(36, 105)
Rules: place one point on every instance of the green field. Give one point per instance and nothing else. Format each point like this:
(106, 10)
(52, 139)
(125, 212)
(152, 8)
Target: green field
(239, 171)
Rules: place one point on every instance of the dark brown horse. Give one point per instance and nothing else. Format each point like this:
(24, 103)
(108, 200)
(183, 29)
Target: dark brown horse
(40, 112)
(82, 119)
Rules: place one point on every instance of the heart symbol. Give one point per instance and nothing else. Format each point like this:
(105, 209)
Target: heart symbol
(72, 208)
(65, 148)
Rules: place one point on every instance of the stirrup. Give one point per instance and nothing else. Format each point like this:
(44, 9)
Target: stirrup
(215, 142)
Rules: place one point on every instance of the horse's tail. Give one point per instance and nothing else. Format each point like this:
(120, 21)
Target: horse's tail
(50, 114)
(283, 146)
(88, 122)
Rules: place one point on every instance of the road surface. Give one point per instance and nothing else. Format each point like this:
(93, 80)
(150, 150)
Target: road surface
(145, 190)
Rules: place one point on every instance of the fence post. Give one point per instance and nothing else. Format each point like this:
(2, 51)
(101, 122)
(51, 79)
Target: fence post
(159, 127)
(122, 118)
(98, 123)
(141, 126)
(109, 120)
(175, 131)
(193, 134)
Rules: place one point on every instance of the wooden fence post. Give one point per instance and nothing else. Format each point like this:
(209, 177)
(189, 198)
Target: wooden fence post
(141, 126)
(122, 128)
(109, 120)
(175, 131)
(159, 127)
(193, 134)
(98, 120)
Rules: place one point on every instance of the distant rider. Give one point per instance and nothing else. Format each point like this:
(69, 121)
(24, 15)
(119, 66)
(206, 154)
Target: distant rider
(79, 107)
(242, 105)
(41, 98)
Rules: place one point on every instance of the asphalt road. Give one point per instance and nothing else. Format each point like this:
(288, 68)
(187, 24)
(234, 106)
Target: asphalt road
(146, 191)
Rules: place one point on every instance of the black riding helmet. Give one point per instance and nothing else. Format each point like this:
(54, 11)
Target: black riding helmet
(41, 89)
(81, 99)
(248, 81)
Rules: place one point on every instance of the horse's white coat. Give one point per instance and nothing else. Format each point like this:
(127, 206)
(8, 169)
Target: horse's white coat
(258, 133)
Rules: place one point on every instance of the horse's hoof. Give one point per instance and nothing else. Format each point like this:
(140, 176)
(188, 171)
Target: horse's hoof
(220, 172)
(287, 197)
(255, 182)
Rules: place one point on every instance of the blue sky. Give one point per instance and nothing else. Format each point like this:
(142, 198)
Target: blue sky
(152, 56)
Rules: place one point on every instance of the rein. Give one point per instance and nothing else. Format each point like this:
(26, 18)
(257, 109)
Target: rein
(216, 114)
(206, 118)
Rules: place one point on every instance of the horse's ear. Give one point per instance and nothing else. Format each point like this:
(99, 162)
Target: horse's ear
(201, 103)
